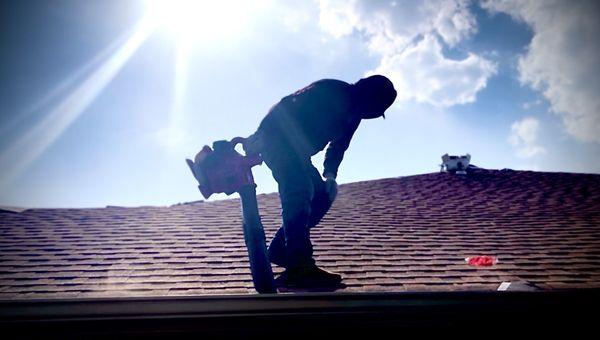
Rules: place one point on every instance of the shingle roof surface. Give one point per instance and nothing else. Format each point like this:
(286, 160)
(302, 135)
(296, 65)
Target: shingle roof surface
(397, 234)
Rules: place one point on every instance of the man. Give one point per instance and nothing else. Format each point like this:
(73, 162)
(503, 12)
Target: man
(326, 112)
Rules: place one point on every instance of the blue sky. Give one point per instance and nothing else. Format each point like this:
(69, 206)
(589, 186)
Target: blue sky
(101, 101)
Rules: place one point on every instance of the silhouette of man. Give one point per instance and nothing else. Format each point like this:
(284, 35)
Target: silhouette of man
(326, 112)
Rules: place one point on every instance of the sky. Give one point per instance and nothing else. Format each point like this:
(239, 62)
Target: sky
(102, 101)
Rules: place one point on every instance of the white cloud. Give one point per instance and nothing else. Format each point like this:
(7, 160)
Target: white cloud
(337, 18)
(531, 104)
(423, 74)
(563, 60)
(523, 136)
(392, 25)
(409, 36)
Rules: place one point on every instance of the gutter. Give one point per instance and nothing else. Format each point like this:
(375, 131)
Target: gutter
(341, 313)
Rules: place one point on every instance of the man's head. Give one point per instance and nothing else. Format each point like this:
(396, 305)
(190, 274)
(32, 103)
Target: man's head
(374, 95)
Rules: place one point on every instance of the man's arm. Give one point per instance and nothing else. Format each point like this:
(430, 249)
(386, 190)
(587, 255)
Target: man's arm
(335, 151)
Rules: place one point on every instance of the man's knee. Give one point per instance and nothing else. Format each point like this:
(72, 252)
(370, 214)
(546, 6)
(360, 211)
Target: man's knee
(296, 209)
(296, 191)
(319, 207)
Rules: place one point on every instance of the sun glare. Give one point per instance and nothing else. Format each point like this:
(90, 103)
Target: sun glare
(192, 24)
(193, 21)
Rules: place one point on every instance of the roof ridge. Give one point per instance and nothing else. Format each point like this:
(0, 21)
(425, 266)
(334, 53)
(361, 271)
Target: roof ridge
(476, 170)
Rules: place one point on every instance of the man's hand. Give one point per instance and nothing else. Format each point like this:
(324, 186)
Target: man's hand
(331, 187)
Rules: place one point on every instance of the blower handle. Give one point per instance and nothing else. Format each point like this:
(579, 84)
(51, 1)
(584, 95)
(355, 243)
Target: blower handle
(254, 233)
(253, 159)
(238, 140)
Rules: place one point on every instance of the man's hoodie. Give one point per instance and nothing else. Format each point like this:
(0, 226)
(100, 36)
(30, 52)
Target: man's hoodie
(306, 121)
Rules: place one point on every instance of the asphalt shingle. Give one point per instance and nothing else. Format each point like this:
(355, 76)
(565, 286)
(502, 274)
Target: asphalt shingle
(395, 234)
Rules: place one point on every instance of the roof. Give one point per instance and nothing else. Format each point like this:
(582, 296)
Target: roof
(396, 234)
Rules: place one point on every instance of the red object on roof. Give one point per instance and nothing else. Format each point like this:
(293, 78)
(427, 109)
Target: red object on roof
(482, 261)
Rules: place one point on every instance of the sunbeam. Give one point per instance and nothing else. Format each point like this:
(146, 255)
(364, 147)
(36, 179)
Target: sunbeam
(194, 25)
(34, 142)
(62, 87)
(174, 134)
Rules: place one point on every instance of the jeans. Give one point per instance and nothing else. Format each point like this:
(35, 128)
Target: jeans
(304, 202)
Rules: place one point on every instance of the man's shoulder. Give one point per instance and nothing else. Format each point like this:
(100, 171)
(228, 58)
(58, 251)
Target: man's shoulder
(331, 83)
(324, 84)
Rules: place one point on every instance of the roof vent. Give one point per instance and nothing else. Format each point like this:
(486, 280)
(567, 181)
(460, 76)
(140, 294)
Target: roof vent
(455, 164)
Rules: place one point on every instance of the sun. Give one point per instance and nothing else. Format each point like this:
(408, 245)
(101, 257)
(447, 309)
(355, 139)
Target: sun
(192, 21)
(194, 26)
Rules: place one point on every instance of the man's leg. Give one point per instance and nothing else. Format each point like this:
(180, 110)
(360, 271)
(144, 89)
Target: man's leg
(320, 204)
(291, 245)
(297, 193)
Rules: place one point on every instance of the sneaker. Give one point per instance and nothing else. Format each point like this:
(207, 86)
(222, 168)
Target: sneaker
(308, 276)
